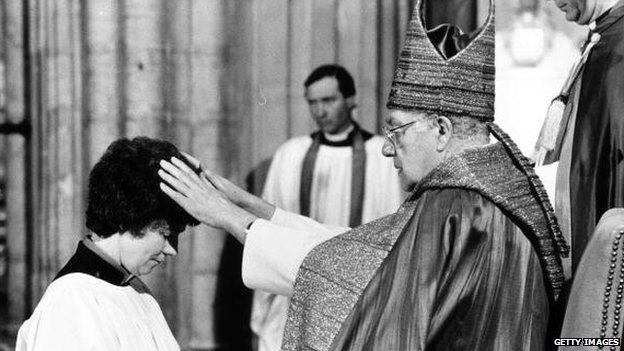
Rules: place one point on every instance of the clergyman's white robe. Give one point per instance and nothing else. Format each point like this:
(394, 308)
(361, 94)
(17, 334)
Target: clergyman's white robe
(330, 203)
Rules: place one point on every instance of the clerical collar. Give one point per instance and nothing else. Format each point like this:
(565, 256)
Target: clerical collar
(90, 259)
(346, 140)
(339, 137)
(127, 276)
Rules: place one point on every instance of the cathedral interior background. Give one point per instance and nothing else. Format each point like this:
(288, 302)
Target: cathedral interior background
(223, 80)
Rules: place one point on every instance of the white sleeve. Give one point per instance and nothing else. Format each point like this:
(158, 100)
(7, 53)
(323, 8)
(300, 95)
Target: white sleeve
(275, 249)
(296, 221)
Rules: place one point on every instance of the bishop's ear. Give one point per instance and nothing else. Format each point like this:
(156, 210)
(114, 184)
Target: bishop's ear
(445, 131)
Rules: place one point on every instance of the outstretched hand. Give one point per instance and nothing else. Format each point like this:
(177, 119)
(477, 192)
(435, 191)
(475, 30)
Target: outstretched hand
(199, 197)
(240, 197)
(192, 160)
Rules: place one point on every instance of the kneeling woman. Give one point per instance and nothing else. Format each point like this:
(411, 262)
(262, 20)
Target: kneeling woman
(97, 301)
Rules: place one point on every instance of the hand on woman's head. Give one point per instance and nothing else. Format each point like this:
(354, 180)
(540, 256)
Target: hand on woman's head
(200, 198)
(193, 161)
(234, 193)
(194, 193)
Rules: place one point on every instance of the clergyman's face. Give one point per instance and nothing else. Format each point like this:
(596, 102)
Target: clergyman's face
(571, 8)
(141, 255)
(413, 147)
(581, 11)
(330, 110)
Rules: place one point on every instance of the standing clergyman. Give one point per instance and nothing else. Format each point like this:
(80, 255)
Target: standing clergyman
(587, 137)
(336, 176)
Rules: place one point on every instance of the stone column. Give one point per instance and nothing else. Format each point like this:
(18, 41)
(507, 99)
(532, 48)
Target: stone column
(15, 112)
(54, 83)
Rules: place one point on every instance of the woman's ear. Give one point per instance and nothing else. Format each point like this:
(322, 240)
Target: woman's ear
(445, 132)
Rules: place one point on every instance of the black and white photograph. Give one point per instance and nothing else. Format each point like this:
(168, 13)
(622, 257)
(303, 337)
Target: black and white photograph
(311, 175)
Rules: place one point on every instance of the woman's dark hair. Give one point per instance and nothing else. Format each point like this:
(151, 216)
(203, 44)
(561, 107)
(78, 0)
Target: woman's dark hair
(124, 192)
(346, 86)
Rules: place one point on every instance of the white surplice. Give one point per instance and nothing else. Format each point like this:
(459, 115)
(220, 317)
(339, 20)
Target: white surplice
(83, 313)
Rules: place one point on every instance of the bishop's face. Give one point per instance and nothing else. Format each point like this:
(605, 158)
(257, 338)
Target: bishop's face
(583, 11)
(411, 142)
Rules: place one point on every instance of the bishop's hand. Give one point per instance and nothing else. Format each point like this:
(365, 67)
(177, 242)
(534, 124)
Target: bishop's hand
(199, 197)
(240, 197)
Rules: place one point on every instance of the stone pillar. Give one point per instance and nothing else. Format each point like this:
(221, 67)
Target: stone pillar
(210, 141)
(15, 112)
(142, 28)
(103, 91)
(56, 177)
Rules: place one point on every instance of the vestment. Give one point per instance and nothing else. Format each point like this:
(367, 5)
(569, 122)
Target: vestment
(94, 305)
(468, 262)
(591, 173)
(471, 261)
(330, 202)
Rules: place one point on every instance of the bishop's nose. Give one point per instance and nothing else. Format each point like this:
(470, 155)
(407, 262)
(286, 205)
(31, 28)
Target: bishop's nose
(388, 149)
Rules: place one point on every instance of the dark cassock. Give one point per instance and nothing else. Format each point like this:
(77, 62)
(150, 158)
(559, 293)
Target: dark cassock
(470, 261)
(596, 169)
(588, 141)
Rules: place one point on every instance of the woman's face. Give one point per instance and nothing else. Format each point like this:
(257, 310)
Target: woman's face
(141, 255)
